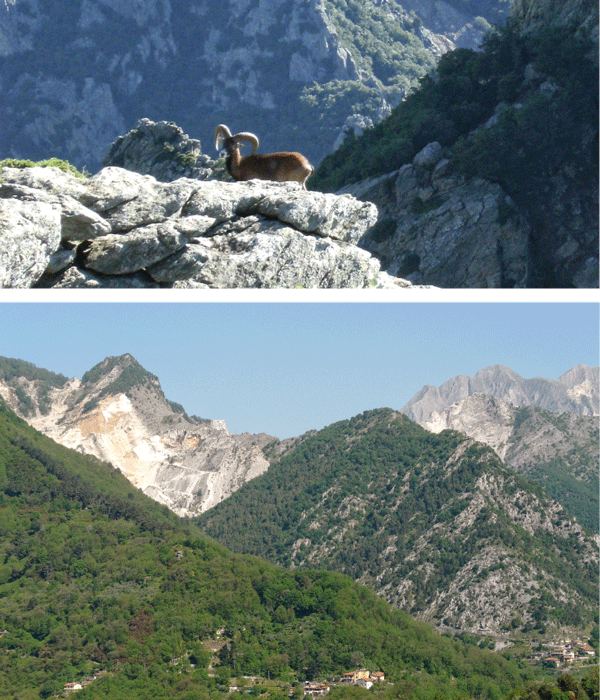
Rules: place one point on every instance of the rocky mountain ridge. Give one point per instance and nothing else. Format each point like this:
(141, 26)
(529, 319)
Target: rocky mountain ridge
(558, 450)
(434, 523)
(118, 413)
(576, 391)
(123, 229)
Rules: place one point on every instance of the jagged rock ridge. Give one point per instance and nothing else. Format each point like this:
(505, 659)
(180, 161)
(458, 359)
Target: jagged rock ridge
(118, 412)
(576, 391)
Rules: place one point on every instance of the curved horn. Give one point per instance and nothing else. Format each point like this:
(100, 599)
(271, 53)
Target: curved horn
(222, 132)
(250, 138)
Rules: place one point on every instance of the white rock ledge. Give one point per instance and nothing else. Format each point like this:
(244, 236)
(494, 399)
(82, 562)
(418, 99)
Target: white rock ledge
(122, 229)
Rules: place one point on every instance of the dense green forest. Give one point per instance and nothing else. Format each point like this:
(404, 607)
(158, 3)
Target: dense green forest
(373, 497)
(97, 579)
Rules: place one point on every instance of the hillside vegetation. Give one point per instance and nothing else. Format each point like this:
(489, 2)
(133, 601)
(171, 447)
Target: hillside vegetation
(12, 371)
(434, 523)
(536, 131)
(568, 469)
(96, 579)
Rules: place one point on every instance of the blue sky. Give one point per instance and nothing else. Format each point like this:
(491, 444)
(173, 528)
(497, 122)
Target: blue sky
(284, 368)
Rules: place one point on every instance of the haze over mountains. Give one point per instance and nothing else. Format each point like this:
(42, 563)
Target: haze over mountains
(292, 71)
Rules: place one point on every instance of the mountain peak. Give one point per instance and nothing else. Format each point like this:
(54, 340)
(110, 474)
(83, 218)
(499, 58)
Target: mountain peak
(118, 374)
(119, 413)
(576, 391)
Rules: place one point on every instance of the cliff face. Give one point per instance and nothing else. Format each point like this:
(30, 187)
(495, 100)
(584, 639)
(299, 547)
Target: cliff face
(518, 128)
(118, 413)
(76, 77)
(437, 227)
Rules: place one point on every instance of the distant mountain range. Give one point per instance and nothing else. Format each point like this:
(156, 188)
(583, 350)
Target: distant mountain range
(576, 391)
(560, 451)
(118, 412)
(435, 523)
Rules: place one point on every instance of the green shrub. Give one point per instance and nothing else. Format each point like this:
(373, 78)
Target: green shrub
(63, 165)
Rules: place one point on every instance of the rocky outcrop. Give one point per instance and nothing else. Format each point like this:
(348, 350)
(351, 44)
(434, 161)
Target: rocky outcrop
(123, 229)
(437, 227)
(576, 391)
(450, 27)
(187, 464)
(501, 425)
(162, 150)
(30, 232)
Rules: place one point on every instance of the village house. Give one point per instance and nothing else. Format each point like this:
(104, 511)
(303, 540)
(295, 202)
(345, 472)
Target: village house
(355, 676)
(586, 649)
(71, 687)
(315, 689)
(363, 677)
(552, 661)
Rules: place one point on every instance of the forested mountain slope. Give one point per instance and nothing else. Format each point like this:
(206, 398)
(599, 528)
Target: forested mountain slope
(98, 581)
(433, 523)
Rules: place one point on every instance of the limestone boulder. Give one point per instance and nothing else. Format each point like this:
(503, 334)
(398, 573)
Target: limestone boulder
(29, 236)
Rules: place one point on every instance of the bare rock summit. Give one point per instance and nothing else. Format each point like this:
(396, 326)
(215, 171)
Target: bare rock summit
(118, 413)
